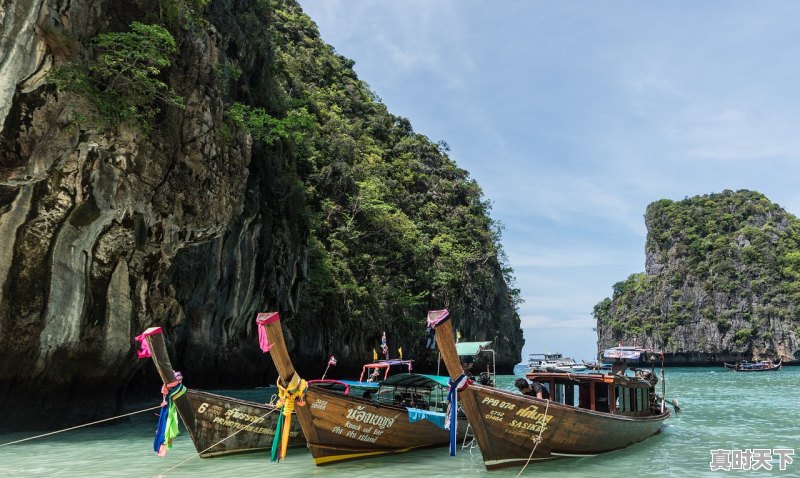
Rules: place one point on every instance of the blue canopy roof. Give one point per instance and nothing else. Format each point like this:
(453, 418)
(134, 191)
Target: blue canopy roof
(361, 385)
(418, 380)
(471, 348)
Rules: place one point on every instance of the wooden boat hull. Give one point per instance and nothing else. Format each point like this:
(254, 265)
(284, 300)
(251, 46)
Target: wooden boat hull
(512, 422)
(513, 429)
(754, 367)
(341, 427)
(353, 428)
(220, 425)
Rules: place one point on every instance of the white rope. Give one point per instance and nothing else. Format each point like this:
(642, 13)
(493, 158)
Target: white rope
(79, 426)
(538, 439)
(160, 475)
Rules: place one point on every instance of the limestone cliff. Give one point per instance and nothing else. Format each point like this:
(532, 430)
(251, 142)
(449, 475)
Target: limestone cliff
(196, 223)
(722, 283)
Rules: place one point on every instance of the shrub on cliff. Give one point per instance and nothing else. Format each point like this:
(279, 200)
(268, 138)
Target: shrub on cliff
(122, 79)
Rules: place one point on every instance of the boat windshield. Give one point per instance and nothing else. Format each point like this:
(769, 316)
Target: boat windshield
(426, 392)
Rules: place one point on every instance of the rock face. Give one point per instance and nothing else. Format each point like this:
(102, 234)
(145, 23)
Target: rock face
(106, 232)
(721, 283)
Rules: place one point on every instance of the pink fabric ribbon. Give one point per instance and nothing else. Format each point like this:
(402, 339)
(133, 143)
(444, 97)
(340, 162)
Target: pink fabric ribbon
(144, 348)
(262, 319)
(436, 316)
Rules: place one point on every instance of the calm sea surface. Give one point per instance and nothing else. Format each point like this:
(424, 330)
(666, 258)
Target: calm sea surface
(720, 410)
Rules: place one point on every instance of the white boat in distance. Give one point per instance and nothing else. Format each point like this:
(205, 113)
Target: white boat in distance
(556, 361)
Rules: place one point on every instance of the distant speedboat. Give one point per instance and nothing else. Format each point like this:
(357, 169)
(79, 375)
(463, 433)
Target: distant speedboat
(597, 365)
(554, 361)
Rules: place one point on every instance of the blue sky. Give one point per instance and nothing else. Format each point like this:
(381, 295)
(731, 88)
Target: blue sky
(574, 116)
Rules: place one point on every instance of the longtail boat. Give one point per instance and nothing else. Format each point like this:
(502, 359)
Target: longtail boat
(405, 413)
(762, 366)
(218, 425)
(583, 418)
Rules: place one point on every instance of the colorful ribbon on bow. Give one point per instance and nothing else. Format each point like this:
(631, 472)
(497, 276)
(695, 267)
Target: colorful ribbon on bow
(144, 348)
(168, 418)
(287, 395)
(451, 419)
(262, 319)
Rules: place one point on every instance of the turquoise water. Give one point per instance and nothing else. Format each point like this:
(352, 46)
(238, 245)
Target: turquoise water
(720, 410)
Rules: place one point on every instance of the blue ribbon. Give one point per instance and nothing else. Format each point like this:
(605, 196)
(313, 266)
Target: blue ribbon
(452, 397)
(162, 427)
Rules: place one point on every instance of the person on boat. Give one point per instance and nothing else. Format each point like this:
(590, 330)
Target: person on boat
(618, 367)
(374, 376)
(532, 389)
(466, 366)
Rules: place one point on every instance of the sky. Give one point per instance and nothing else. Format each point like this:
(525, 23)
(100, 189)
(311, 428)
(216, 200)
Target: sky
(573, 116)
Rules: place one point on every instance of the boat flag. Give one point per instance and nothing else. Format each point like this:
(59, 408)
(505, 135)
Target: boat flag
(400, 351)
(374, 355)
(384, 346)
(430, 341)
(331, 361)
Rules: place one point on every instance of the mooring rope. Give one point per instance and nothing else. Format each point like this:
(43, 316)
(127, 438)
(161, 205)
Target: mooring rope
(160, 475)
(80, 426)
(538, 439)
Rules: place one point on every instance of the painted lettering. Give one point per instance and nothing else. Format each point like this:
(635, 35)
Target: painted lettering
(532, 412)
(360, 415)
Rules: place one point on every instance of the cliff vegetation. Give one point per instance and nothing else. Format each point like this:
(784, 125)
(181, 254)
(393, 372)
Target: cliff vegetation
(188, 163)
(722, 282)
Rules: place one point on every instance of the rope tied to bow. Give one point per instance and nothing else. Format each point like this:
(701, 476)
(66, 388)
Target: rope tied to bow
(288, 395)
(538, 438)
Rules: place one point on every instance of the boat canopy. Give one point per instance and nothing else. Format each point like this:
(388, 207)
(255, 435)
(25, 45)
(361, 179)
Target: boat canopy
(385, 365)
(361, 385)
(417, 380)
(471, 348)
(629, 353)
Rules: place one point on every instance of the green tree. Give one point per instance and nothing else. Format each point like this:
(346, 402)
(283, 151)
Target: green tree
(122, 81)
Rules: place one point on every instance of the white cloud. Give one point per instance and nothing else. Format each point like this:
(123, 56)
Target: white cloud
(572, 136)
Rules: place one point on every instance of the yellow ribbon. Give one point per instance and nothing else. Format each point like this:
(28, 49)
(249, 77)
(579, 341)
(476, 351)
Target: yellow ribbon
(287, 396)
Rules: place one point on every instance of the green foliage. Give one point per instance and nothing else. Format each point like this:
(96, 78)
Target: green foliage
(742, 336)
(295, 126)
(396, 227)
(729, 249)
(122, 80)
(182, 12)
